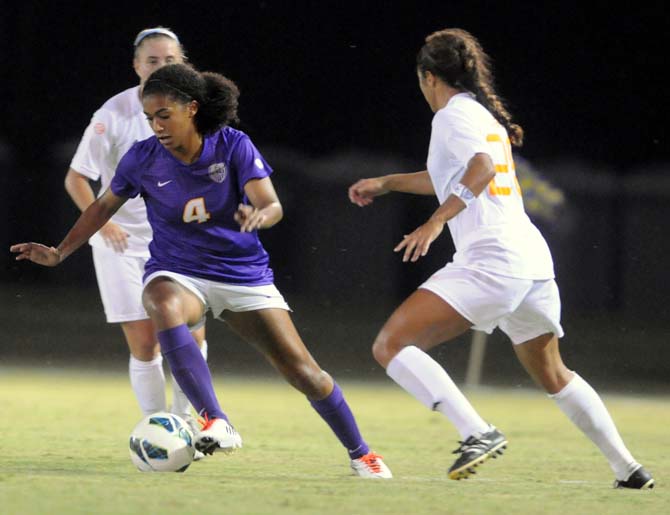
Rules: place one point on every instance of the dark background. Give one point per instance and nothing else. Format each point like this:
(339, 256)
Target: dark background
(329, 94)
(584, 80)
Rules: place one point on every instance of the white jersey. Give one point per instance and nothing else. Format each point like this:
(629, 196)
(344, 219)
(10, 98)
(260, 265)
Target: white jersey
(114, 127)
(494, 232)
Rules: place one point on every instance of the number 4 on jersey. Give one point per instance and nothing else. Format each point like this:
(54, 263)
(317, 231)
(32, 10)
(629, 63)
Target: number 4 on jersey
(195, 211)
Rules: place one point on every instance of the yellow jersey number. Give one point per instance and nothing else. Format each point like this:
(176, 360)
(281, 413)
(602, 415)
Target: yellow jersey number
(195, 211)
(505, 180)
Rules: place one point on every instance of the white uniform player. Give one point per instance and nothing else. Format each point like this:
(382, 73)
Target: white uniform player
(113, 129)
(501, 274)
(120, 248)
(493, 236)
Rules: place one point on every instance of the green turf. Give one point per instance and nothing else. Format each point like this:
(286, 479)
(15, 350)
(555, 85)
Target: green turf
(63, 450)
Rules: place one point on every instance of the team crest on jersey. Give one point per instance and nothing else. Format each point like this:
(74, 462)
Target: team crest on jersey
(217, 172)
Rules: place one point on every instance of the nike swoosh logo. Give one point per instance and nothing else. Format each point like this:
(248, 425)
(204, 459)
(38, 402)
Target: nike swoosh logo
(161, 184)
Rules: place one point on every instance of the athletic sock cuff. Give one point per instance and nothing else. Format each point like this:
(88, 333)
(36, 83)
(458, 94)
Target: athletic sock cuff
(330, 403)
(574, 383)
(397, 364)
(138, 363)
(174, 338)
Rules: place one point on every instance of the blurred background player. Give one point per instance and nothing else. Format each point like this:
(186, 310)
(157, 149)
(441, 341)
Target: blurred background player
(502, 272)
(208, 192)
(120, 247)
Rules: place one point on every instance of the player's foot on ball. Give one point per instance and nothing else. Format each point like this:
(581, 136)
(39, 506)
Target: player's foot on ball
(217, 435)
(194, 425)
(371, 465)
(639, 480)
(475, 450)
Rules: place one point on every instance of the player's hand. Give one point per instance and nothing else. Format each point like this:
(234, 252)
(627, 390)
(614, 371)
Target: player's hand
(363, 192)
(417, 243)
(37, 253)
(114, 237)
(249, 218)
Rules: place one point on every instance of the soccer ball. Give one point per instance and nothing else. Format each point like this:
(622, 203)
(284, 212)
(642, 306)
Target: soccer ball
(161, 442)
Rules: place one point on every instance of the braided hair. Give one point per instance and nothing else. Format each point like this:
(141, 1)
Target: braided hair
(457, 58)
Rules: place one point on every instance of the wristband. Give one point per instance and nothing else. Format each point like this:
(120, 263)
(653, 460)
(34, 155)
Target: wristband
(463, 193)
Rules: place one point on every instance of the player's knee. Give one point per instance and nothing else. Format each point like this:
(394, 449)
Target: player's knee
(161, 306)
(385, 347)
(310, 380)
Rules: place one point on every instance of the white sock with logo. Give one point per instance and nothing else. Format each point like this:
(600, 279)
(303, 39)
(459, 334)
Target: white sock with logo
(422, 377)
(148, 382)
(180, 404)
(584, 407)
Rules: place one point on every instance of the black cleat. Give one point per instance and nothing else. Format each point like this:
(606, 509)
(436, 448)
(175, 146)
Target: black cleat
(476, 450)
(638, 480)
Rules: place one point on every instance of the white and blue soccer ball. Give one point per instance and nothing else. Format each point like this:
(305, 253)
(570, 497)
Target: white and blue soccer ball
(162, 442)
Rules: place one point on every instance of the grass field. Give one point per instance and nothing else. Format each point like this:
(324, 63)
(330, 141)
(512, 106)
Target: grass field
(63, 450)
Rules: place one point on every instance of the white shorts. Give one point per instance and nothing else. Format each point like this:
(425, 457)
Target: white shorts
(218, 297)
(522, 308)
(120, 284)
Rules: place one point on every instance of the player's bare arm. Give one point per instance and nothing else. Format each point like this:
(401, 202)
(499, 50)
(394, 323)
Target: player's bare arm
(362, 193)
(81, 193)
(90, 221)
(265, 209)
(479, 172)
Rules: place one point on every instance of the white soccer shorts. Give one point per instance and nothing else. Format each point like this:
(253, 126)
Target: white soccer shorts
(120, 284)
(218, 297)
(522, 308)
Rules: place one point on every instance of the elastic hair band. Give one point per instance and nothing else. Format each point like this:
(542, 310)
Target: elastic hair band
(463, 192)
(156, 30)
(162, 82)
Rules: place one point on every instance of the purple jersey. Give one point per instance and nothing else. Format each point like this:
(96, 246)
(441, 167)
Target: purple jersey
(191, 207)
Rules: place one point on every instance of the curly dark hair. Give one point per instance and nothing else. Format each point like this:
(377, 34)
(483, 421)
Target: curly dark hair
(456, 57)
(216, 95)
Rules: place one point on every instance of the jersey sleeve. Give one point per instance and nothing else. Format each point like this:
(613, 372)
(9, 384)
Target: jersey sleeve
(248, 162)
(95, 145)
(126, 180)
(461, 136)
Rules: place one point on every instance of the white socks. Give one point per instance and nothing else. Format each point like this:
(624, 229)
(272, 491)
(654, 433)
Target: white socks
(148, 383)
(180, 403)
(584, 407)
(427, 381)
(421, 376)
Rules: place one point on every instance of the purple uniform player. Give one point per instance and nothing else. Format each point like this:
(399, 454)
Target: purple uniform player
(208, 191)
(191, 207)
(121, 248)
